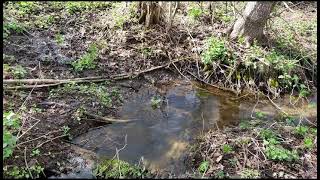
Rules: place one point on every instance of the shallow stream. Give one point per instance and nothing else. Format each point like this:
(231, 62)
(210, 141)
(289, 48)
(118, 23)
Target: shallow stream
(160, 136)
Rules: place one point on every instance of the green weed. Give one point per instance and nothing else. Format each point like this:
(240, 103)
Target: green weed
(279, 153)
(74, 7)
(260, 114)
(10, 27)
(26, 7)
(87, 60)
(93, 90)
(308, 143)
(226, 148)
(44, 21)
(22, 172)
(250, 173)
(118, 169)
(195, 13)
(203, 167)
(147, 51)
(66, 130)
(11, 124)
(301, 130)
(59, 38)
(216, 50)
(155, 102)
(35, 152)
(220, 175)
(19, 71)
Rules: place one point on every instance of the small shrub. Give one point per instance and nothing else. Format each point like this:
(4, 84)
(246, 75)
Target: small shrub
(216, 50)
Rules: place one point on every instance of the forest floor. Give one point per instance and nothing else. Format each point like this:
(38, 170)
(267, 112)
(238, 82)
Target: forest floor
(54, 40)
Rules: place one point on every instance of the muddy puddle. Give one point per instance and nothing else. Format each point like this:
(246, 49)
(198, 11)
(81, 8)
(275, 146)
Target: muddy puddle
(159, 137)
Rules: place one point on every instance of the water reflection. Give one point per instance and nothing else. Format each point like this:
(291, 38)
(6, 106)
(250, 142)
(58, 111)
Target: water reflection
(162, 135)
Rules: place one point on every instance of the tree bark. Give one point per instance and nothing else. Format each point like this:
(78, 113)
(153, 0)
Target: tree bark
(150, 13)
(252, 22)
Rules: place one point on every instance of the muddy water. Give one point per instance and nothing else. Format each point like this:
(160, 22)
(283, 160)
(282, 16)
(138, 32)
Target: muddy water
(160, 136)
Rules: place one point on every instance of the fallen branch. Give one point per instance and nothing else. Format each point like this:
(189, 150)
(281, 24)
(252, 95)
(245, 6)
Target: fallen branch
(107, 120)
(55, 82)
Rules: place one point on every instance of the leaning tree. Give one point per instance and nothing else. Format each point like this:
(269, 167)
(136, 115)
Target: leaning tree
(251, 22)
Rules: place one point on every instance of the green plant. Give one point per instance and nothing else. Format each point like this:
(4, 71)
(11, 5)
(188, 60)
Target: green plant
(146, 51)
(203, 167)
(233, 161)
(120, 20)
(220, 174)
(59, 38)
(303, 92)
(250, 173)
(19, 72)
(44, 21)
(308, 143)
(73, 7)
(195, 13)
(301, 130)
(118, 169)
(10, 27)
(25, 7)
(94, 90)
(35, 152)
(312, 105)
(244, 125)
(115, 93)
(290, 120)
(216, 50)
(260, 114)
(274, 152)
(66, 130)
(226, 148)
(22, 172)
(155, 102)
(267, 134)
(87, 60)
(11, 124)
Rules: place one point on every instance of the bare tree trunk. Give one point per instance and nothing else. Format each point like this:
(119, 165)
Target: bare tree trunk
(172, 13)
(150, 13)
(252, 22)
(211, 9)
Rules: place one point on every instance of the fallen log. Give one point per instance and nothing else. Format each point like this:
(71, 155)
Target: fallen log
(40, 83)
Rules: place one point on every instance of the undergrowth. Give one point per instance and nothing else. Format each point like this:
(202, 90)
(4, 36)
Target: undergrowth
(87, 60)
(119, 169)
